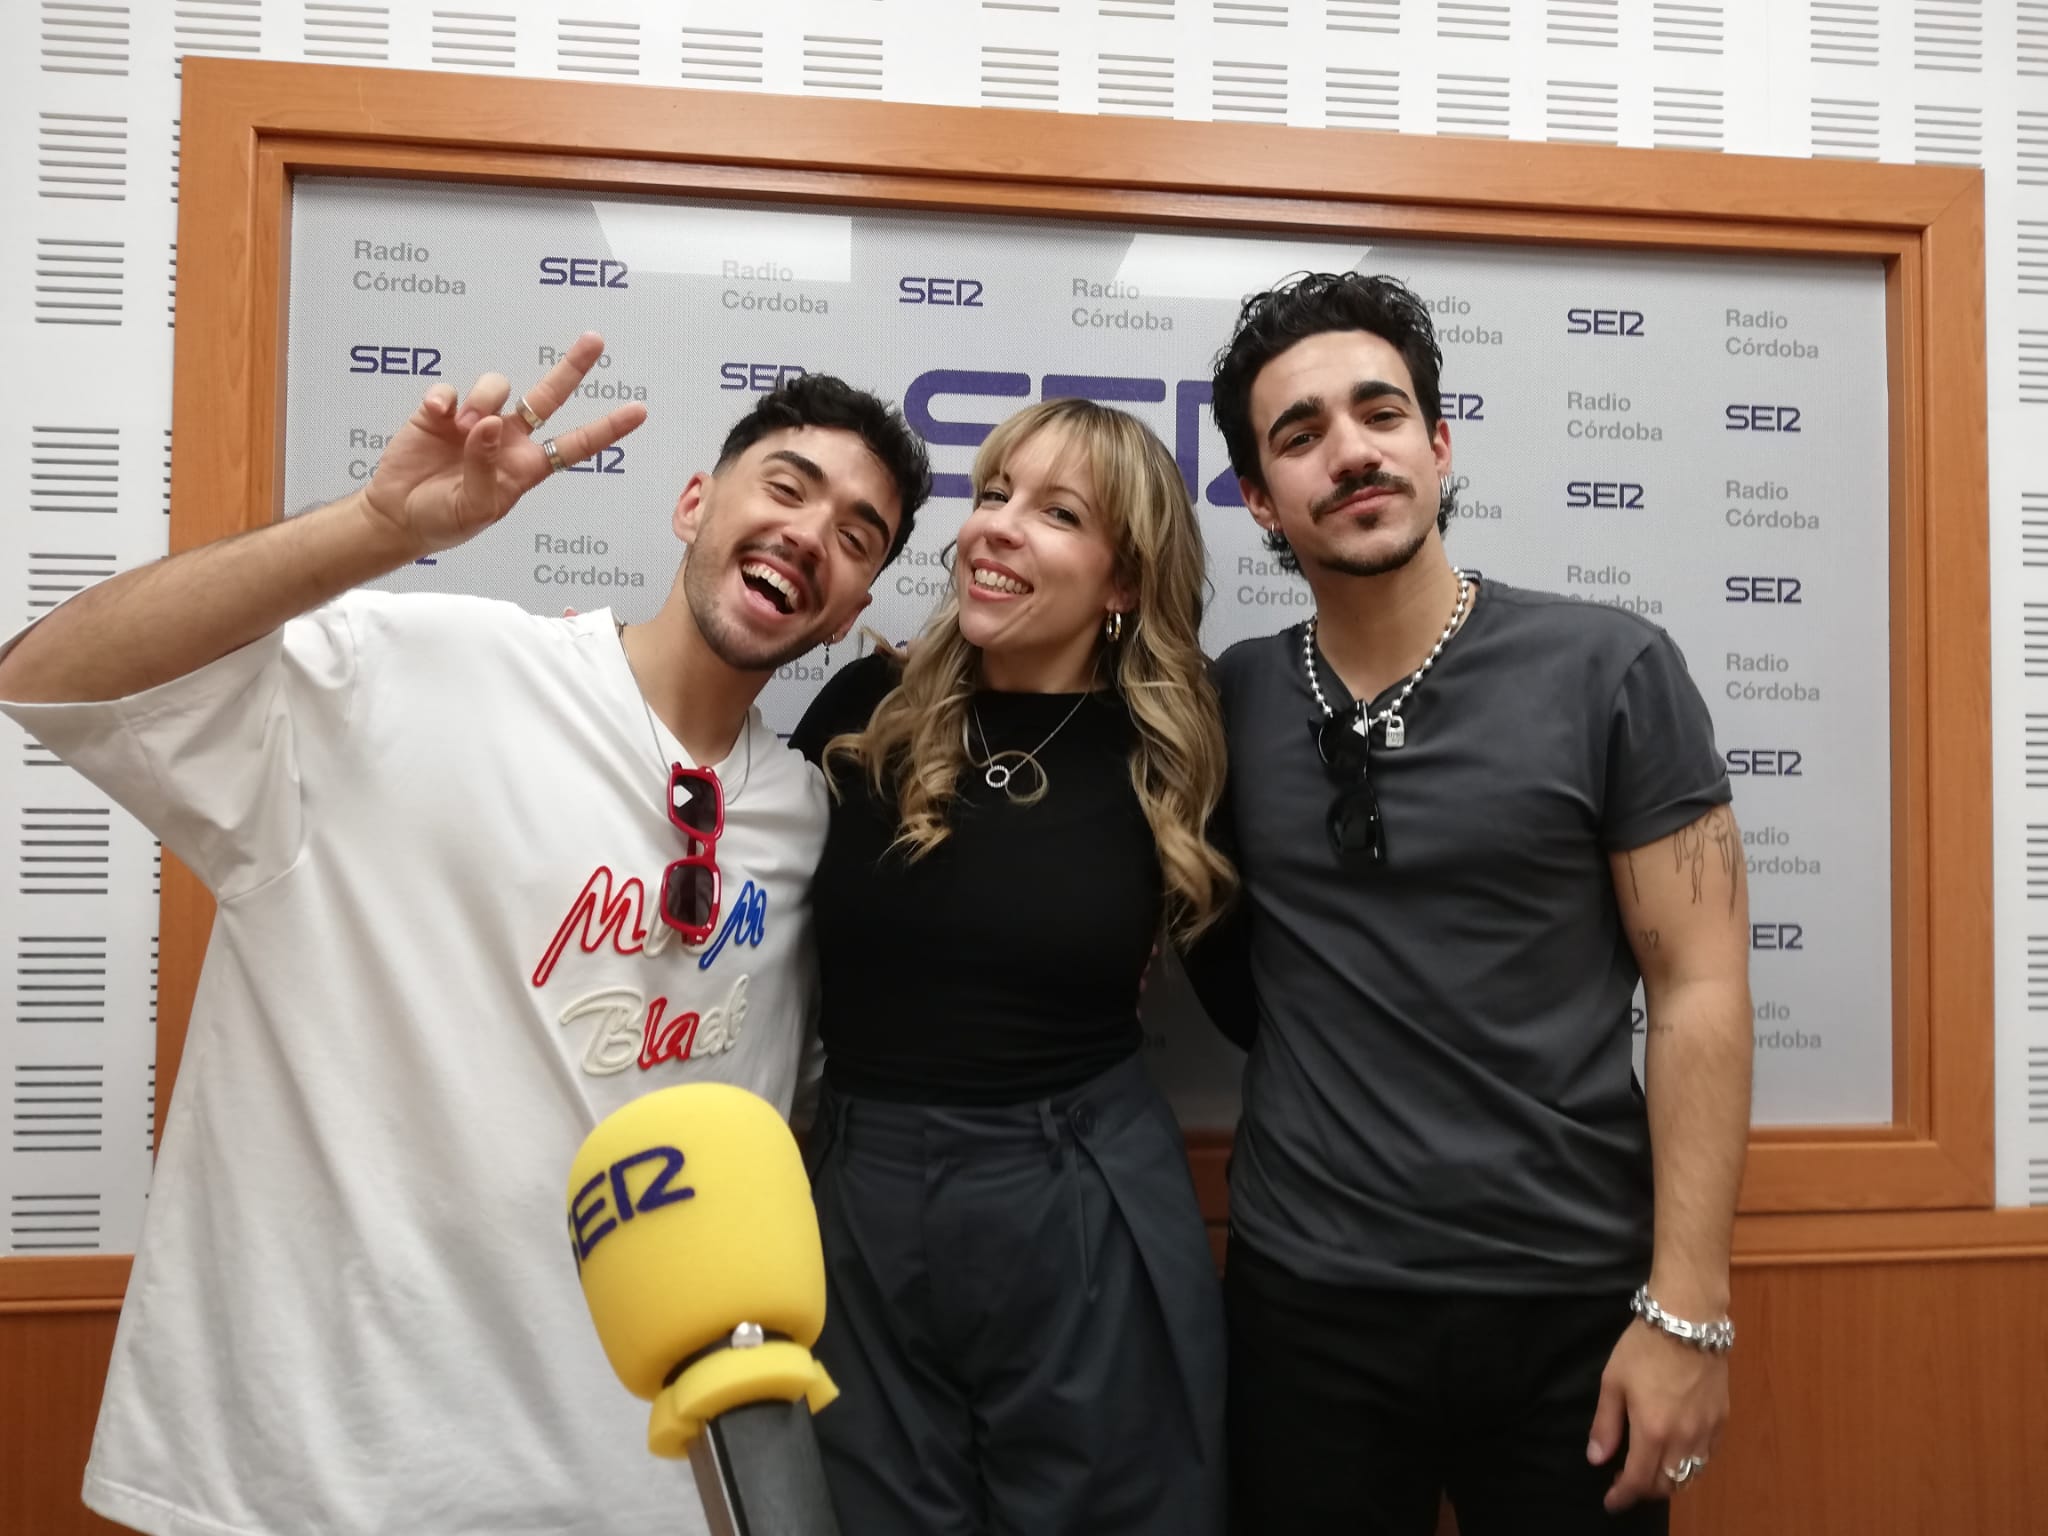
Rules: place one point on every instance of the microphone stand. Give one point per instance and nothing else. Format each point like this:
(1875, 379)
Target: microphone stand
(759, 1473)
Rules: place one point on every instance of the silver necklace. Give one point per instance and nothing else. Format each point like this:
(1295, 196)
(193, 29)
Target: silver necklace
(995, 772)
(1390, 717)
(654, 732)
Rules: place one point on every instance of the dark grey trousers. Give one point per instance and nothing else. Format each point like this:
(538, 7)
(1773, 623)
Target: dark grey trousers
(1023, 1318)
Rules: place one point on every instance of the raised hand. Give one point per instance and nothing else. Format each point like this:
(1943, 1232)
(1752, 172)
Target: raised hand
(452, 471)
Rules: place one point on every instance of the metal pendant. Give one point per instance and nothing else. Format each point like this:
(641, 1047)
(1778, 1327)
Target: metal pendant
(1397, 733)
(997, 775)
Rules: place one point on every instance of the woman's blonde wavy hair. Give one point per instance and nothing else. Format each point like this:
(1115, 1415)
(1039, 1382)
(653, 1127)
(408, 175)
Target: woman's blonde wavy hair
(916, 735)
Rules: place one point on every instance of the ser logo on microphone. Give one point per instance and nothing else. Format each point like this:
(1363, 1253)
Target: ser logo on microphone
(607, 1200)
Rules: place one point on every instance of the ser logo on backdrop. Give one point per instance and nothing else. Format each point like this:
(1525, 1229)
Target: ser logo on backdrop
(1603, 322)
(1766, 762)
(945, 292)
(606, 461)
(1190, 396)
(582, 272)
(1781, 936)
(1620, 495)
(1785, 591)
(1761, 418)
(758, 377)
(419, 362)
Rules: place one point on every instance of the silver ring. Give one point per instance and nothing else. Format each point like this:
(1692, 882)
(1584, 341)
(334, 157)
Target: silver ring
(555, 464)
(527, 414)
(1688, 1467)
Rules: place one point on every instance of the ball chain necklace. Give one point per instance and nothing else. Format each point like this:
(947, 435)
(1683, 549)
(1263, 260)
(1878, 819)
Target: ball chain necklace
(1396, 733)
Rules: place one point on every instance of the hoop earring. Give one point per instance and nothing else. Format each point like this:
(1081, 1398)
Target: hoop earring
(1113, 627)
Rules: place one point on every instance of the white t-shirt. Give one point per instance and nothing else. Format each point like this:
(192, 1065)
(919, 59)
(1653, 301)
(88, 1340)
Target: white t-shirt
(436, 828)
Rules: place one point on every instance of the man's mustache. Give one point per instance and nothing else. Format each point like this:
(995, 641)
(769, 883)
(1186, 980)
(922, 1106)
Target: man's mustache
(1351, 485)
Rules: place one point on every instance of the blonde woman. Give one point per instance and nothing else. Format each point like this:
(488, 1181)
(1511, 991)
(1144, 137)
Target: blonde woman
(1024, 1317)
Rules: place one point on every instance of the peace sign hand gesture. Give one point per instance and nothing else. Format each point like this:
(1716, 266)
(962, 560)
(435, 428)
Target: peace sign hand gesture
(451, 471)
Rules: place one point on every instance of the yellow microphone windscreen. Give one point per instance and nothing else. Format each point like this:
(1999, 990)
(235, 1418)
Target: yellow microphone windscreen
(689, 1214)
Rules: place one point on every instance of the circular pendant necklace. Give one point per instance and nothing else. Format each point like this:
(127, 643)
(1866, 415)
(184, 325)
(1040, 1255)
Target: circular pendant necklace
(997, 773)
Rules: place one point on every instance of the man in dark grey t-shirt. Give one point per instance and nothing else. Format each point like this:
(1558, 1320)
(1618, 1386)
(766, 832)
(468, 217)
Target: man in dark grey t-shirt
(1468, 817)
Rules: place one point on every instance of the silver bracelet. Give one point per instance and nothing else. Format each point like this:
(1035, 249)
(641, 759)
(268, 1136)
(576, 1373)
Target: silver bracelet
(1716, 1338)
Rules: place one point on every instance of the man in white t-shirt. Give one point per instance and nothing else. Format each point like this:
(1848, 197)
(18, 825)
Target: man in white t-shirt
(476, 890)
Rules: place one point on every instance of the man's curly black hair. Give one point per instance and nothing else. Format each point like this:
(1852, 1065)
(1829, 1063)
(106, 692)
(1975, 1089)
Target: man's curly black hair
(1309, 304)
(820, 400)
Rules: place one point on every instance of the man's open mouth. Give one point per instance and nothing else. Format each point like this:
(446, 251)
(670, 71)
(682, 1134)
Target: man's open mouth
(776, 588)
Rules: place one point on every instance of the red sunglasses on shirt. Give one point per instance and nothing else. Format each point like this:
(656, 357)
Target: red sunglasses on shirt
(689, 886)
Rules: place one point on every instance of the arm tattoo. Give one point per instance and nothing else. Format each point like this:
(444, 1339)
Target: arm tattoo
(1648, 938)
(1635, 888)
(1689, 855)
(1728, 843)
(1689, 847)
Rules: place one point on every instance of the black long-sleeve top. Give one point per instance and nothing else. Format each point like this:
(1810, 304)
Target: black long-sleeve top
(1004, 965)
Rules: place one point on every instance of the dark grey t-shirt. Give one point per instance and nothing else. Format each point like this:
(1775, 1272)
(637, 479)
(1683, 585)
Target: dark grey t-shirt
(1441, 1094)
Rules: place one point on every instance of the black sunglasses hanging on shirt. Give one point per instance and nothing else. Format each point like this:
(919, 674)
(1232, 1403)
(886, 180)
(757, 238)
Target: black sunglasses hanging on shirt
(1358, 833)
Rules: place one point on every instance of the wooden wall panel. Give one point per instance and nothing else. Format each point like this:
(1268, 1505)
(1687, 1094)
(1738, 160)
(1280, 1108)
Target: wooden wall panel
(1884, 1400)
(1898, 1398)
(52, 1367)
